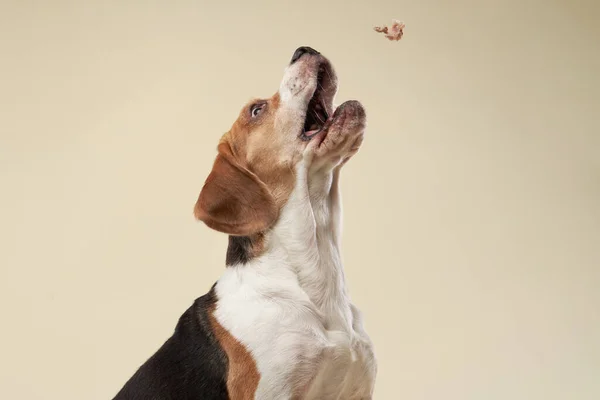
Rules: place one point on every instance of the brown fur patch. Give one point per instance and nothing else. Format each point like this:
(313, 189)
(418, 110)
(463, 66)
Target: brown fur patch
(242, 374)
(261, 148)
(234, 200)
(252, 176)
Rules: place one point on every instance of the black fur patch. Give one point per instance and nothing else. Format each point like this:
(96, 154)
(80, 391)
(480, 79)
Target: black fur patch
(190, 365)
(239, 250)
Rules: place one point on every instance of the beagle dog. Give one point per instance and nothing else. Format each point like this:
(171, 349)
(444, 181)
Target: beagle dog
(279, 323)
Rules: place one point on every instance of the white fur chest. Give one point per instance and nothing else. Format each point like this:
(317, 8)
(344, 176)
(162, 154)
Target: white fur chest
(296, 354)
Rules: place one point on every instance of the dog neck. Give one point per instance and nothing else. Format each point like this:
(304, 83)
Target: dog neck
(304, 245)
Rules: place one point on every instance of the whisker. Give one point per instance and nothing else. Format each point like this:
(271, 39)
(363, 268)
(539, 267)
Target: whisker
(319, 117)
(328, 74)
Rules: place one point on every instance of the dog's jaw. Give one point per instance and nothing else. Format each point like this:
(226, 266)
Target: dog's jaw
(307, 92)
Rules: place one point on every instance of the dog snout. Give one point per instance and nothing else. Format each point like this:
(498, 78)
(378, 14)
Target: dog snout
(300, 51)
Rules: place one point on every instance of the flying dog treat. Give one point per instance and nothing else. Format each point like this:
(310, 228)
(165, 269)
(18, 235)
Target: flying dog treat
(392, 33)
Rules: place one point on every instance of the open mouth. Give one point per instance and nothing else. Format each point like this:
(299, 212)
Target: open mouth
(318, 109)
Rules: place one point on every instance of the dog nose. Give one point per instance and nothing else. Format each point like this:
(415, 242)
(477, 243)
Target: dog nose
(300, 51)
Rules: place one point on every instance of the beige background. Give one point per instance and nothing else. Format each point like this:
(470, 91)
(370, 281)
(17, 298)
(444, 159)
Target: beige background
(472, 225)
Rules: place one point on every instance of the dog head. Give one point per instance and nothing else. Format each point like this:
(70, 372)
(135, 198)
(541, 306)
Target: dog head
(254, 174)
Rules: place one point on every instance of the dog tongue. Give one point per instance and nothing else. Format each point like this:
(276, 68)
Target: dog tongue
(313, 129)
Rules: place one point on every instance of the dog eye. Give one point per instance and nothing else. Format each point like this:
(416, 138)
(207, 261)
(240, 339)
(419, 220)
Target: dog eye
(256, 109)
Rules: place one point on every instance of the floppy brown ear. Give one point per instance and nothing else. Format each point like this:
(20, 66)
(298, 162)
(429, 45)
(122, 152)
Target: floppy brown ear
(233, 200)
